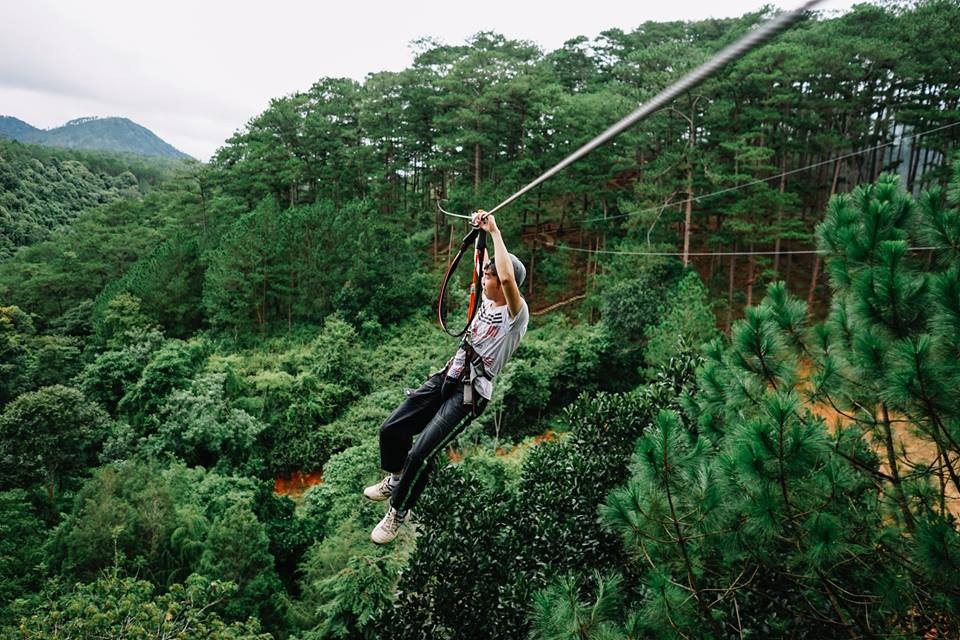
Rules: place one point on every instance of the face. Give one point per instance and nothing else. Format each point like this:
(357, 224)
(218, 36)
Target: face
(491, 284)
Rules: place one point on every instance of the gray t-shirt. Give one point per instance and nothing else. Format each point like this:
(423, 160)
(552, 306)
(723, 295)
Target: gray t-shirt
(494, 336)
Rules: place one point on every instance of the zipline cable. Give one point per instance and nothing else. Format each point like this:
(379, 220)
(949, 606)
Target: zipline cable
(711, 253)
(733, 51)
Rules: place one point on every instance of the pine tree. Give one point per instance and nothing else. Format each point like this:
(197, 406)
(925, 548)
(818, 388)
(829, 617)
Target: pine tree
(888, 359)
(559, 613)
(779, 522)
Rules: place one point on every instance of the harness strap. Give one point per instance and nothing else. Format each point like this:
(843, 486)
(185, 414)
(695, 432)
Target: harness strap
(474, 358)
(472, 368)
(478, 238)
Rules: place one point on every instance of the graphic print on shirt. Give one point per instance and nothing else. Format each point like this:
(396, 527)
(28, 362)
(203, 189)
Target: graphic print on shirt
(494, 335)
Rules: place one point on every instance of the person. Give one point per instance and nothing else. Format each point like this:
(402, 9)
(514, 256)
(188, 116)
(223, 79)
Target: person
(446, 403)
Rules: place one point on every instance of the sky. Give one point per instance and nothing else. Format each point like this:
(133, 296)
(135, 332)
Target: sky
(195, 71)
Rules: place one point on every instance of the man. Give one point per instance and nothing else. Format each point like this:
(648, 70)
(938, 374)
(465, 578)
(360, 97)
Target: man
(460, 391)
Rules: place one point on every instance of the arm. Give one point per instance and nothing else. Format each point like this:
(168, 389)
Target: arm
(505, 273)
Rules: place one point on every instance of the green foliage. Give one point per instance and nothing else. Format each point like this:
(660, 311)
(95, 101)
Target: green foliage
(121, 607)
(114, 373)
(301, 391)
(52, 359)
(289, 532)
(168, 284)
(554, 364)
(43, 189)
(750, 482)
(460, 579)
(236, 550)
(335, 500)
(15, 329)
(47, 436)
(170, 368)
(201, 427)
(134, 516)
(757, 491)
(490, 539)
(558, 613)
(55, 277)
(21, 539)
(631, 304)
(889, 350)
(298, 265)
(122, 322)
(348, 582)
(159, 521)
(686, 318)
(304, 248)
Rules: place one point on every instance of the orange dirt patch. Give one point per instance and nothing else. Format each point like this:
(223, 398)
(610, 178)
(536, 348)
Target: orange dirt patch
(297, 483)
(907, 444)
(547, 436)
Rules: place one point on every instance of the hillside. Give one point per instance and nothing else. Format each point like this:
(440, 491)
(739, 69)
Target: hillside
(44, 188)
(119, 135)
(16, 129)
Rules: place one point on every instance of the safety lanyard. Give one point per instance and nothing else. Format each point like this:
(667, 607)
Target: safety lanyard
(478, 238)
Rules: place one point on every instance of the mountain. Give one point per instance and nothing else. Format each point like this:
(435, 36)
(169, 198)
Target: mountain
(102, 134)
(17, 129)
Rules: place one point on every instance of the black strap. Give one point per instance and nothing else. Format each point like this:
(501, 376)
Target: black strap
(478, 238)
(474, 358)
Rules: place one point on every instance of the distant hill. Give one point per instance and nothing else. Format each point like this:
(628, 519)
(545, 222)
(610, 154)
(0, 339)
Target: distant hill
(44, 188)
(17, 129)
(101, 134)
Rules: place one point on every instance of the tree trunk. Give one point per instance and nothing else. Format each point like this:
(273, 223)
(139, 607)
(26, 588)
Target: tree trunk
(898, 493)
(733, 261)
(533, 259)
(779, 231)
(813, 285)
(476, 168)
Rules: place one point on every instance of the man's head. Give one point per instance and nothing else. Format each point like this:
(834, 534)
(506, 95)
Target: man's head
(491, 284)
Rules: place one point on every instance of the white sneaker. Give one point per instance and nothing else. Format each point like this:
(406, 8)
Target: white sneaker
(382, 490)
(387, 529)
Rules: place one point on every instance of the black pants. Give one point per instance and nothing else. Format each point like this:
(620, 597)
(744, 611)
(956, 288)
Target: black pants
(436, 412)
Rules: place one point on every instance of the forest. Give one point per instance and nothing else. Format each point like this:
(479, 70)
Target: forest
(736, 413)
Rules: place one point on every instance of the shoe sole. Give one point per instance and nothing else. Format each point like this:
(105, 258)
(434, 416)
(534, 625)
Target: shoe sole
(379, 542)
(377, 498)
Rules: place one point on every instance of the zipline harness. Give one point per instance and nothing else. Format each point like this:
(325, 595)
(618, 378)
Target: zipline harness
(478, 238)
(730, 53)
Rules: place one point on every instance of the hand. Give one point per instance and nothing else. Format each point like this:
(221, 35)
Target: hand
(485, 221)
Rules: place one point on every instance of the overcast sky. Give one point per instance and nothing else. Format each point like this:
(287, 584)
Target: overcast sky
(194, 71)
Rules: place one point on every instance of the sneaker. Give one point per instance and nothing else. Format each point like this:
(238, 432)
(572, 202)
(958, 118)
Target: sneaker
(380, 491)
(387, 529)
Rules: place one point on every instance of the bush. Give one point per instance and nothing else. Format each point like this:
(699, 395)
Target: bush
(236, 550)
(171, 366)
(200, 427)
(113, 373)
(116, 607)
